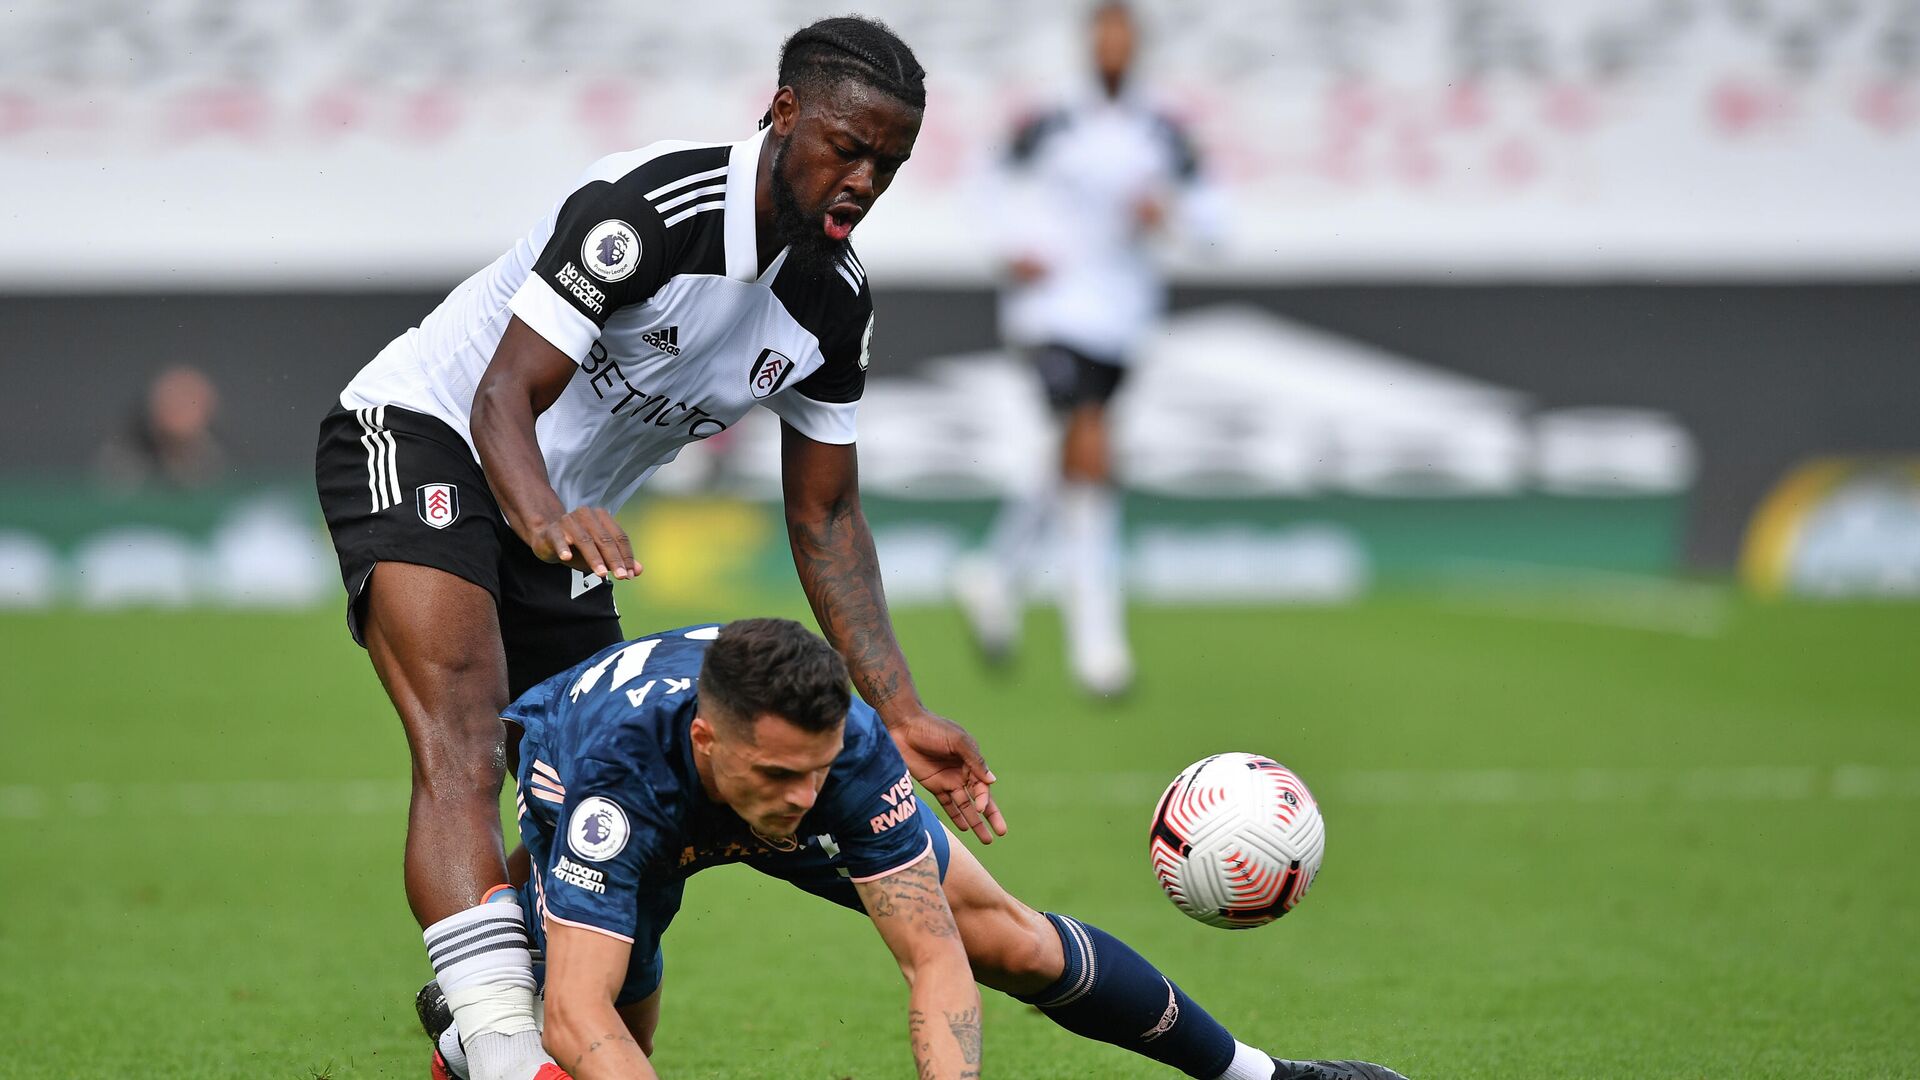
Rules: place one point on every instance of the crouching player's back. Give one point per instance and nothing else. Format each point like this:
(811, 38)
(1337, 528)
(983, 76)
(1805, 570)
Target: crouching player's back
(658, 758)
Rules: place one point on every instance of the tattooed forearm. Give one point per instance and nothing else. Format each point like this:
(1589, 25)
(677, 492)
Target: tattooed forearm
(915, 894)
(965, 1026)
(608, 1040)
(834, 556)
(922, 1046)
(943, 1018)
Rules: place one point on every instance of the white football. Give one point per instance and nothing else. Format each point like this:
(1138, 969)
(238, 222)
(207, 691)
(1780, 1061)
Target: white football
(1237, 840)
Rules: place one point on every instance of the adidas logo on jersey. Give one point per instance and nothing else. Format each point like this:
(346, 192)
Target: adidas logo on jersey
(666, 339)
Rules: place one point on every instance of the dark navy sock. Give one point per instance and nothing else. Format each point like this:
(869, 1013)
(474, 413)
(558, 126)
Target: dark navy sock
(1110, 993)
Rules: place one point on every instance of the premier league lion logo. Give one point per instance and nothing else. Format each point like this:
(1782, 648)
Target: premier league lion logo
(598, 829)
(613, 248)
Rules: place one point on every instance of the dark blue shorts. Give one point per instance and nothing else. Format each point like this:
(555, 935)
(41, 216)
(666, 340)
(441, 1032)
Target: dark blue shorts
(820, 872)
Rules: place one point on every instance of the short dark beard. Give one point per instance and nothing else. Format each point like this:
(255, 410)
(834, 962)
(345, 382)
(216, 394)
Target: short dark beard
(812, 253)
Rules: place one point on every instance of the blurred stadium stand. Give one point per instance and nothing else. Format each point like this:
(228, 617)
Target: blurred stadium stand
(1590, 277)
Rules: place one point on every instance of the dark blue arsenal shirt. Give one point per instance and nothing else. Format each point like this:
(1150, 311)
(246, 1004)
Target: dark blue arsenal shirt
(614, 816)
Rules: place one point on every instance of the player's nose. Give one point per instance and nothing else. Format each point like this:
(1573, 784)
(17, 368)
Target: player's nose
(858, 181)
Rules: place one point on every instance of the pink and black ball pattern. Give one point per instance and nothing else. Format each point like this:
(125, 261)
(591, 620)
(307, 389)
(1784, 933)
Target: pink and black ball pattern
(1237, 840)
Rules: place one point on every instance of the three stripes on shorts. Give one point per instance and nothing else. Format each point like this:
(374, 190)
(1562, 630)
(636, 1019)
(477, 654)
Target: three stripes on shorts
(383, 472)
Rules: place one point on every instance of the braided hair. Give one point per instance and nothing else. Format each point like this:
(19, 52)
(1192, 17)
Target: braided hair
(851, 47)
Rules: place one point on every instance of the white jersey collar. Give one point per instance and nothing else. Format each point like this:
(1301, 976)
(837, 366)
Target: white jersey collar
(742, 238)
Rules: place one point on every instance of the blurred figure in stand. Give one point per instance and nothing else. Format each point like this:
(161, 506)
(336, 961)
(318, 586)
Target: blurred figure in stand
(169, 442)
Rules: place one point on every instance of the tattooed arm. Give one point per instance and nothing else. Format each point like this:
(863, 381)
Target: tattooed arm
(833, 553)
(943, 1019)
(584, 1033)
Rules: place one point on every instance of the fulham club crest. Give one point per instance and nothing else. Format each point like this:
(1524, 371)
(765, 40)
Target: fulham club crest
(439, 504)
(769, 373)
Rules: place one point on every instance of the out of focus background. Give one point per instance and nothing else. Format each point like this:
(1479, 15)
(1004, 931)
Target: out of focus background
(1533, 463)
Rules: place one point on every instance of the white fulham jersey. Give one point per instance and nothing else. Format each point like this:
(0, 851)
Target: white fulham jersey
(1074, 179)
(647, 275)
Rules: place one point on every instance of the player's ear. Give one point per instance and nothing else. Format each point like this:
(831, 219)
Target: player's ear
(701, 732)
(785, 111)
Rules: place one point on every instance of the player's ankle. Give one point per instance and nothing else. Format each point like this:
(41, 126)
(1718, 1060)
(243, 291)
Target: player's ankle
(1248, 1064)
(482, 959)
(494, 1056)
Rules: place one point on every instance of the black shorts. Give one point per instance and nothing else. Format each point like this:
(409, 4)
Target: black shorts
(1073, 378)
(399, 486)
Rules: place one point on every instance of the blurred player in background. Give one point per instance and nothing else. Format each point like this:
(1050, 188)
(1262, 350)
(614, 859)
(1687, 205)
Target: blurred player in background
(470, 473)
(1089, 187)
(692, 748)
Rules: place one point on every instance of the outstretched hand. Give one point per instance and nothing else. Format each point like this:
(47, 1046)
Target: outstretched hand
(947, 762)
(588, 540)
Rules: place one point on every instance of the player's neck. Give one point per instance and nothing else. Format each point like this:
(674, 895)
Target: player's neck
(766, 245)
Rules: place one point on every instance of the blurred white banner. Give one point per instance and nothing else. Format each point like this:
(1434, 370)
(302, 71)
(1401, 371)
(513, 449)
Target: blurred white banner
(182, 143)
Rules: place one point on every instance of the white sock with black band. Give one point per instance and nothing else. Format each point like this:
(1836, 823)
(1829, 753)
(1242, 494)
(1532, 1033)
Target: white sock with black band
(482, 959)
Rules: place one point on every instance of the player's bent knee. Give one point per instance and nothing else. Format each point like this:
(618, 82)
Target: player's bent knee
(1014, 951)
(459, 759)
(1011, 947)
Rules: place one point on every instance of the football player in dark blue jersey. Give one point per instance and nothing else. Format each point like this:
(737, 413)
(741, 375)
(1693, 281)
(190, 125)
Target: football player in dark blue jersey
(660, 757)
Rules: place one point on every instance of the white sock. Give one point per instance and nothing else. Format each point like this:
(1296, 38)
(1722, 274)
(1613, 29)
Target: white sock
(1018, 529)
(482, 960)
(1095, 609)
(1248, 1064)
(505, 1057)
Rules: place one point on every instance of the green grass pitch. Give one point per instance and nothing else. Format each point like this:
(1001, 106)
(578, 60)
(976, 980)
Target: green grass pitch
(1559, 846)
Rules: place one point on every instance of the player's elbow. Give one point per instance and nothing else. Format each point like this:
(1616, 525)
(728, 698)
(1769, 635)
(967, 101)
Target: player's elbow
(491, 401)
(816, 504)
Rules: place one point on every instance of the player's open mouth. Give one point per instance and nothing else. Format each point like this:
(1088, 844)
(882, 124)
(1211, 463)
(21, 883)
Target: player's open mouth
(841, 219)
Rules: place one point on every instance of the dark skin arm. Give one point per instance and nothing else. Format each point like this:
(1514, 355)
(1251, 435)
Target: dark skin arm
(523, 380)
(833, 553)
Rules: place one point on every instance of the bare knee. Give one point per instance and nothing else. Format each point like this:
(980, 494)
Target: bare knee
(1085, 457)
(434, 639)
(459, 755)
(1014, 950)
(451, 711)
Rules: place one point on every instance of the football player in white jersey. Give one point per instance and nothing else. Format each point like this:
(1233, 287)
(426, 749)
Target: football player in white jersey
(1089, 187)
(470, 473)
